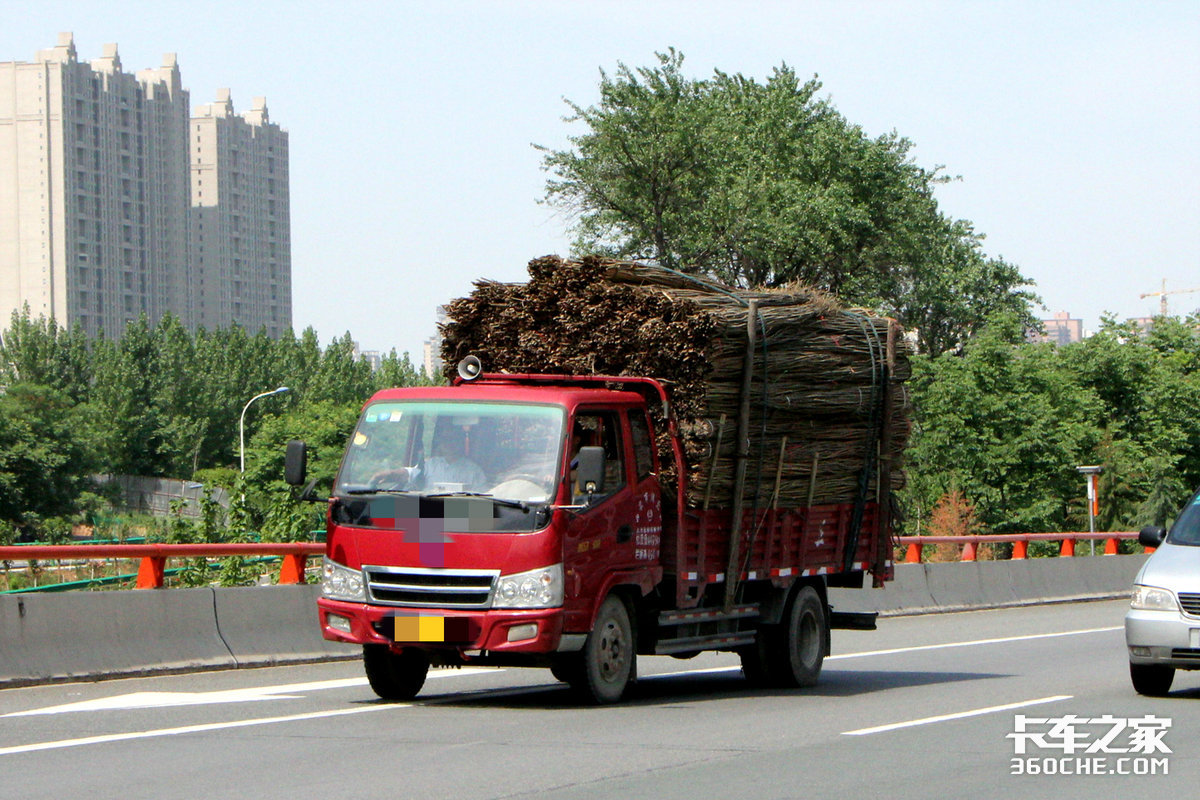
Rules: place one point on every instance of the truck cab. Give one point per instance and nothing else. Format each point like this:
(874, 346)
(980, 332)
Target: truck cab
(502, 521)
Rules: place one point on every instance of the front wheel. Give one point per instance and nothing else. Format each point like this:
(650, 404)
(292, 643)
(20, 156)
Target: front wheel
(608, 654)
(1153, 680)
(395, 676)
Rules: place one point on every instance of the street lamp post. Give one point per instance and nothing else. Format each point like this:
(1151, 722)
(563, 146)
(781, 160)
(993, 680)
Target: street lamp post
(242, 422)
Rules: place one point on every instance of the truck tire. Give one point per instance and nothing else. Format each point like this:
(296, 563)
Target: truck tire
(608, 654)
(790, 654)
(395, 676)
(804, 642)
(568, 669)
(1152, 680)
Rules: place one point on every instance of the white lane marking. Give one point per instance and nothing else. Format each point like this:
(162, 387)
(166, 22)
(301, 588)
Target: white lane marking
(213, 726)
(974, 643)
(898, 650)
(287, 691)
(976, 712)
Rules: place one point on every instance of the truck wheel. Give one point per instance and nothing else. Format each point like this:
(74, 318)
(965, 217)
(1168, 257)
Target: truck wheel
(799, 660)
(755, 659)
(569, 669)
(395, 676)
(790, 654)
(1153, 680)
(608, 654)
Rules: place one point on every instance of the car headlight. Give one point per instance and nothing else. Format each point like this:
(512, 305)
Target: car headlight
(538, 588)
(342, 583)
(1152, 598)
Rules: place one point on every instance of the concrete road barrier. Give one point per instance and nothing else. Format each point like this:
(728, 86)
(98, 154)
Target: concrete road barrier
(271, 625)
(965, 585)
(51, 637)
(91, 635)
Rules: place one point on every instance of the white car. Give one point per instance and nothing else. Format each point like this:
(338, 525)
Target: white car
(1162, 626)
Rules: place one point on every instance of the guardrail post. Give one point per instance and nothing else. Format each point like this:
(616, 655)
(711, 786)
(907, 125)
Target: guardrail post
(292, 568)
(968, 551)
(913, 554)
(1020, 550)
(150, 572)
(1068, 547)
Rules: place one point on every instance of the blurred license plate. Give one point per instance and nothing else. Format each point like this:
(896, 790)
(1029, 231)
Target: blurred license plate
(451, 630)
(1195, 635)
(420, 629)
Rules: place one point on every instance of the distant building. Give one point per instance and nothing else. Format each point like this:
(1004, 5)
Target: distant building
(1060, 330)
(1143, 324)
(94, 197)
(241, 234)
(373, 357)
(433, 347)
(115, 203)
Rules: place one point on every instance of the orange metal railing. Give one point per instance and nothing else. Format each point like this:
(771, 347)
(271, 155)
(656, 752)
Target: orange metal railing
(154, 557)
(1020, 543)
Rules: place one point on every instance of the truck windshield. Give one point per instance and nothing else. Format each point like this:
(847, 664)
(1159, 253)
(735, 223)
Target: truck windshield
(1187, 528)
(506, 451)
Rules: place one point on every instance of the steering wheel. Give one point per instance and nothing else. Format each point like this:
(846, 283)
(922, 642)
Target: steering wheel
(392, 479)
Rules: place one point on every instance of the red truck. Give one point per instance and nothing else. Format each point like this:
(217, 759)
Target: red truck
(519, 520)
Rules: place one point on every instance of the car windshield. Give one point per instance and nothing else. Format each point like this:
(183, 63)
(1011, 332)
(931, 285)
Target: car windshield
(502, 450)
(1186, 529)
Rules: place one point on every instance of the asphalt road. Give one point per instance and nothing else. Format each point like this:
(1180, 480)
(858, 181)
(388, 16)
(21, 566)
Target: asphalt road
(924, 707)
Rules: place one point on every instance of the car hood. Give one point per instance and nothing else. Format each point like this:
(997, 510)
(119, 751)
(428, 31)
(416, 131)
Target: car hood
(1174, 567)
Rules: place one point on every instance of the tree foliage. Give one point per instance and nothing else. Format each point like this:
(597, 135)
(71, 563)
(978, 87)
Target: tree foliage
(162, 401)
(1007, 423)
(46, 453)
(764, 184)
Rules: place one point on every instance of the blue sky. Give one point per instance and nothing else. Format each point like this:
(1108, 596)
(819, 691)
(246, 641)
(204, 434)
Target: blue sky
(1074, 126)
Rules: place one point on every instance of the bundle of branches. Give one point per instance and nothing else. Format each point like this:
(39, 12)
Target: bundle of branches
(817, 392)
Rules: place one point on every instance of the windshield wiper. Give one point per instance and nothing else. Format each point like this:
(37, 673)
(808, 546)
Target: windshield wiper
(369, 490)
(500, 500)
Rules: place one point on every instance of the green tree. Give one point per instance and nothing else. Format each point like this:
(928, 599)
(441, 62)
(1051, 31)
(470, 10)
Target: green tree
(325, 426)
(39, 351)
(763, 184)
(1007, 425)
(47, 453)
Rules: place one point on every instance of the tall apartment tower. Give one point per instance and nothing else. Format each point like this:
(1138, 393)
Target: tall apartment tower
(241, 234)
(94, 190)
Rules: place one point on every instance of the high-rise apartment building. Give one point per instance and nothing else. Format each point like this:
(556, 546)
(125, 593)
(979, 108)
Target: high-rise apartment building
(241, 238)
(114, 203)
(93, 190)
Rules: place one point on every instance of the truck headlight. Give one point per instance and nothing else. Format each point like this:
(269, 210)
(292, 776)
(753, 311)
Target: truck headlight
(342, 583)
(538, 588)
(1152, 598)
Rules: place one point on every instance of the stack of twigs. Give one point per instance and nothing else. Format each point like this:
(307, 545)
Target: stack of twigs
(818, 426)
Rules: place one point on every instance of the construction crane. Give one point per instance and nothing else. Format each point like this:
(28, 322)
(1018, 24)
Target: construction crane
(1163, 296)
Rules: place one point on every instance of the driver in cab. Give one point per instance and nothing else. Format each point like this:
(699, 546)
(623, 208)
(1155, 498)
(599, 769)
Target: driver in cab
(449, 464)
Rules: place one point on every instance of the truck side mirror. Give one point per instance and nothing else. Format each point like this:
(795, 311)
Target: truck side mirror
(1151, 536)
(295, 463)
(589, 476)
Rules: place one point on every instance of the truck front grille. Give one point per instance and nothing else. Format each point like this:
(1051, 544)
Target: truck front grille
(1190, 601)
(430, 588)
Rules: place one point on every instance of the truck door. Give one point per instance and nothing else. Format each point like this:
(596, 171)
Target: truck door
(647, 523)
(601, 535)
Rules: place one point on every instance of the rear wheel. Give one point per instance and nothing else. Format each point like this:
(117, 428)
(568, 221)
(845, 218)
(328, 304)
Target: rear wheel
(395, 676)
(608, 654)
(1151, 679)
(790, 654)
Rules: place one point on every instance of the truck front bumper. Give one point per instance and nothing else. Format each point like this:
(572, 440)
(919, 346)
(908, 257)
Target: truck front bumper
(492, 630)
